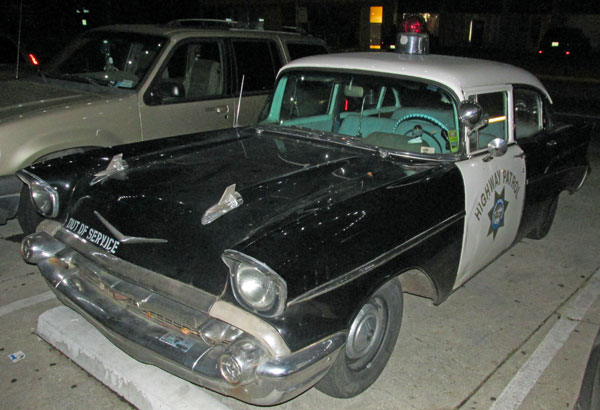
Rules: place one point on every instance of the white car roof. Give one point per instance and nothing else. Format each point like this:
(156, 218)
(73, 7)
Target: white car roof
(456, 73)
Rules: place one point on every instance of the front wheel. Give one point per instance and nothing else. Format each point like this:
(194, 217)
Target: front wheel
(371, 340)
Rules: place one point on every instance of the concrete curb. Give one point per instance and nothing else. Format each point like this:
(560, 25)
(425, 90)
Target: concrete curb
(144, 386)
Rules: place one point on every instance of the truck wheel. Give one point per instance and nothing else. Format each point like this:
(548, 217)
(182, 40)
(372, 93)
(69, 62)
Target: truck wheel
(370, 343)
(28, 217)
(546, 219)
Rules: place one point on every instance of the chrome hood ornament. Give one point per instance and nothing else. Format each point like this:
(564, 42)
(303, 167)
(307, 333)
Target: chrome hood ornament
(228, 202)
(117, 165)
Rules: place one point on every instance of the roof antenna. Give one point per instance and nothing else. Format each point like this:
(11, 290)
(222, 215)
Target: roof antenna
(19, 39)
(236, 122)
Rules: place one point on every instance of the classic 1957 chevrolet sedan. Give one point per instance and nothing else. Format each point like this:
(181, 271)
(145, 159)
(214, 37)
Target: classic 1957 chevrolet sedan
(259, 262)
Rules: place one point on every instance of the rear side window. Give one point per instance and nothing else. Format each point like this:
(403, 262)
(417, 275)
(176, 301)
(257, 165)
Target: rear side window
(259, 61)
(528, 113)
(298, 50)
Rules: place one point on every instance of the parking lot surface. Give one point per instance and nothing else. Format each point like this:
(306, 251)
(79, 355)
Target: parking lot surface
(515, 336)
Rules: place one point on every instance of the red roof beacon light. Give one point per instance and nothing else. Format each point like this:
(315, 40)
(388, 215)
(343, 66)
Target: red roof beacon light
(414, 38)
(414, 24)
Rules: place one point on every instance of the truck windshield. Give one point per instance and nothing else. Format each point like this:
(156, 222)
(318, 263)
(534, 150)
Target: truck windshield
(108, 59)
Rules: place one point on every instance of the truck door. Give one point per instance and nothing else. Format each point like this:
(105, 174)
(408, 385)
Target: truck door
(202, 102)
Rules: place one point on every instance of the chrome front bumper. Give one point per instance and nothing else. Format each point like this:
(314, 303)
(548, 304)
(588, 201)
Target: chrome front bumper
(194, 347)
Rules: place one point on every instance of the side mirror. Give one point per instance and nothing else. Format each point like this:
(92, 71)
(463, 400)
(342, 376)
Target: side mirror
(471, 114)
(165, 91)
(170, 89)
(496, 148)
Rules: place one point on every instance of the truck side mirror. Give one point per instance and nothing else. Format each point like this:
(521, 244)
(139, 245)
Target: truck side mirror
(165, 91)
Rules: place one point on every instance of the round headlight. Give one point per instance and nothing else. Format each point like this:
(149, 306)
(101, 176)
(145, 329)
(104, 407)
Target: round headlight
(257, 289)
(44, 198)
(255, 285)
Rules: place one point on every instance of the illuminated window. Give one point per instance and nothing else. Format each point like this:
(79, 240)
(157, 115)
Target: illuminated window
(376, 15)
(375, 20)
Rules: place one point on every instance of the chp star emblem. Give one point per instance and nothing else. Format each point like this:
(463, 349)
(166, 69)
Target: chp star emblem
(497, 213)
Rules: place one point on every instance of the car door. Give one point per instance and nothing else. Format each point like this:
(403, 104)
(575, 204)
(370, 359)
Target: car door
(494, 186)
(554, 153)
(190, 92)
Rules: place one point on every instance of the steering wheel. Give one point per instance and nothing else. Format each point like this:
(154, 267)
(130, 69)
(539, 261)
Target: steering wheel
(429, 119)
(418, 131)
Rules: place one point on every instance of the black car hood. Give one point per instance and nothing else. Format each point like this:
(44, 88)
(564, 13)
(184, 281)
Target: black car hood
(161, 197)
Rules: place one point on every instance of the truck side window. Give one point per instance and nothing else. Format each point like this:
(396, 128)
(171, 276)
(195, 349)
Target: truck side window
(528, 113)
(198, 67)
(259, 72)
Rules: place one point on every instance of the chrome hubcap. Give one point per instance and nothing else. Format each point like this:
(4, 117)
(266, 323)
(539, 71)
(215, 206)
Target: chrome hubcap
(366, 333)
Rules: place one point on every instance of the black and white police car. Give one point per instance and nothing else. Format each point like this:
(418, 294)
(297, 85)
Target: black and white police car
(261, 261)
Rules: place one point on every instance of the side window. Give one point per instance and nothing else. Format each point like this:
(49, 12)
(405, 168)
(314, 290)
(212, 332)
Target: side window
(528, 113)
(198, 67)
(298, 50)
(494, 105)
(259, 61)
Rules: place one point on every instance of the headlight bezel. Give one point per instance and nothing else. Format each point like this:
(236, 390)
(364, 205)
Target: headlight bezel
(40, 194)
(241, 268)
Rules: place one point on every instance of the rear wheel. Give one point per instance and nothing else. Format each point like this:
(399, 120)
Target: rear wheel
(27, 216)
(370, 343)
(546, 219)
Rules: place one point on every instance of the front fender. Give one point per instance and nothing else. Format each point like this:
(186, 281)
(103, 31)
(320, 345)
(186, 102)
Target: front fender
(28, 138)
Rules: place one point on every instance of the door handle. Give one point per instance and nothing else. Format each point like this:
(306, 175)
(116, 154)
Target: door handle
(521, 155)
(551, 143)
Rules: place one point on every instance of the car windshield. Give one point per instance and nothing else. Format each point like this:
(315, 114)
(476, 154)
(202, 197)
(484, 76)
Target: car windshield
(108, 59)
(384, 112)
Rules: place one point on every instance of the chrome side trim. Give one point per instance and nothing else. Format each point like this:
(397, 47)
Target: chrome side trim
(378, 261)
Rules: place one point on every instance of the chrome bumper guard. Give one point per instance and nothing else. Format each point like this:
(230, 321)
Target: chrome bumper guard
(209, 352)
